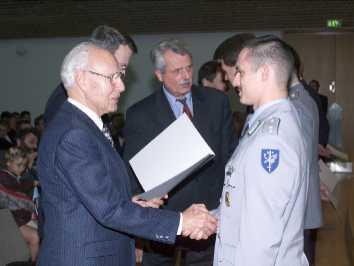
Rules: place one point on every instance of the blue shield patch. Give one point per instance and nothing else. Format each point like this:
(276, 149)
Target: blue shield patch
(270, 159)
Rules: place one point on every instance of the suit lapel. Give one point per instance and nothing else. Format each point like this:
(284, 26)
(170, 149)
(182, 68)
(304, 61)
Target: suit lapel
(200, 110)
(164, 114)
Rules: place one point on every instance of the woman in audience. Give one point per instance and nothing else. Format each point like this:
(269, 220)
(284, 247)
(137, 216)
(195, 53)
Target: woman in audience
(13, 196)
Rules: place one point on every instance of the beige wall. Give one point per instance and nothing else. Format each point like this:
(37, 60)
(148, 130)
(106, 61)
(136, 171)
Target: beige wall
(330, 57)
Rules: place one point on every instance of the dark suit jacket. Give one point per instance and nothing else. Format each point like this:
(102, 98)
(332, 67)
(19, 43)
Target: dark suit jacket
(86, 198)
(324, 102)
(212, 118)
(55, 100)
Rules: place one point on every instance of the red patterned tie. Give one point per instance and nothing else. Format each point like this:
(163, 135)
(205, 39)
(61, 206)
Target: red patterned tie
(186, 109)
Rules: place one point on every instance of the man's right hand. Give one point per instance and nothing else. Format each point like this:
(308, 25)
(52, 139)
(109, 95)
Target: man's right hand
(198, 223)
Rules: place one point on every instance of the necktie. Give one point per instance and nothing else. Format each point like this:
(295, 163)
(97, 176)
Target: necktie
(106, 133)
(185, 107)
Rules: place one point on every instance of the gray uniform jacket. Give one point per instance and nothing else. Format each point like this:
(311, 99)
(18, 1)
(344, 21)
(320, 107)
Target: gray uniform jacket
(309, 121)
(262, 205)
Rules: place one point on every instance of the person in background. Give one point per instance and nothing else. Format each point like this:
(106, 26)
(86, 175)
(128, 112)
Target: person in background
(315, 85)
(5, 140)
(210, 113)
(25, 116)
(309, 120)
(106, 37)
(39, 126)
(14, 196)
(211, 75)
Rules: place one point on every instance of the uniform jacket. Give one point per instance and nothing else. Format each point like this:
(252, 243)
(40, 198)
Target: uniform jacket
(88, 214)
(263, 200)
(308, 113)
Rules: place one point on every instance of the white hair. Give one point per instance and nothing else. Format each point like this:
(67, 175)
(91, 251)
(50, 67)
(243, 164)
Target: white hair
(76, 59)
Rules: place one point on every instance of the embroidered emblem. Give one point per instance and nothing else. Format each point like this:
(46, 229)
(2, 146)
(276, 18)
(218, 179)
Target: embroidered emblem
(270, 159)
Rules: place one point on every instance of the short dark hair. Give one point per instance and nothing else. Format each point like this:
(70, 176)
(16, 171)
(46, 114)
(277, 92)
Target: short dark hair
(272, 50)
(109, 38)
(25, 112)
(38, 119)
(24, 132)
(5, 115)
(208, 71)
(131, 44)
(229, 49)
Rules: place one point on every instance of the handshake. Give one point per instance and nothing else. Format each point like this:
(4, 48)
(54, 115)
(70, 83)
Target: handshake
(198, 223)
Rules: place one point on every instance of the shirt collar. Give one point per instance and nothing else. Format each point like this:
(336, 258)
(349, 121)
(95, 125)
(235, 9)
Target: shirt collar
(91, 114)
(172, 99)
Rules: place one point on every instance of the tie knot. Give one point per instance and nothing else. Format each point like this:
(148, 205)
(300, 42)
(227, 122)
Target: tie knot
(105, 128)
(107, 134)
(182, 100)
(186, 109)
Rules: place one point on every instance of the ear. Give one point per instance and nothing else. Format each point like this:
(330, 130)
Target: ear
(80, 79)
(264, 72)
(159, 75)
(206, 83)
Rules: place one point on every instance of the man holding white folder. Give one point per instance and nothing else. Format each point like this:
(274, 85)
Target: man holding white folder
(210, 113)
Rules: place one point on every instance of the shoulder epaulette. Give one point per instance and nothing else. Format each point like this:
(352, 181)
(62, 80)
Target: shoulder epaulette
(294, 94)
(271, 126)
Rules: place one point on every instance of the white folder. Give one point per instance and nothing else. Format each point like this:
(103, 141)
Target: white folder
(170, 157)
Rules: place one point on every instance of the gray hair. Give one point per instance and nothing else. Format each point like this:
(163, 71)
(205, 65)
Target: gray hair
(271, 50)
(76, 59)
(157, 54)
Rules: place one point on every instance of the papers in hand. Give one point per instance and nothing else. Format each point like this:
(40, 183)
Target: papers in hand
(170, 157)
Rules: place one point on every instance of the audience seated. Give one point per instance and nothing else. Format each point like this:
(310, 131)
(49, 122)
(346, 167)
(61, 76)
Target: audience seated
(13, 196)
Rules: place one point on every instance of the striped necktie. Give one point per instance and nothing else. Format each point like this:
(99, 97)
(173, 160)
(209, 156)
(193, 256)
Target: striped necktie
(186, 109)
(106, 133)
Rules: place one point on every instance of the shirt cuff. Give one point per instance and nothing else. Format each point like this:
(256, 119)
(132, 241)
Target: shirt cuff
(179, 231)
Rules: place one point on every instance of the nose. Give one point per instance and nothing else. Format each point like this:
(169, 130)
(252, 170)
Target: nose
(236, 80)
(186, 73)
(119, 85)
(226, 76)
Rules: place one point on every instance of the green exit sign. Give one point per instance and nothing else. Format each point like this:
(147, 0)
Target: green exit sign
(334, 23)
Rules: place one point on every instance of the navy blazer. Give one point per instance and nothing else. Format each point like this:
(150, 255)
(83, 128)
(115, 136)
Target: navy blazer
(88, 213)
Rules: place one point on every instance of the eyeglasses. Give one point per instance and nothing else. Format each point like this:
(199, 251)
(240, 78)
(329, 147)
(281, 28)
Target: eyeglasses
(115, 76)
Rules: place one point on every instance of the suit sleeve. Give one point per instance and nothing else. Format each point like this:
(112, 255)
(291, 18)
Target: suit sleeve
(230, 139)
(271, 180)
(85, 166)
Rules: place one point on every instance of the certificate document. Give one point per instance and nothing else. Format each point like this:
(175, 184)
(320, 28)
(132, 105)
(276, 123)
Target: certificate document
(170, 157)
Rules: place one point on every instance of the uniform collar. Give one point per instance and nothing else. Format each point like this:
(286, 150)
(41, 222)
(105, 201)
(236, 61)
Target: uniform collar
(261, 109)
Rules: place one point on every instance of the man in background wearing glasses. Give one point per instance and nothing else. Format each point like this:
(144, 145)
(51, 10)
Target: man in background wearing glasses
(121, 46)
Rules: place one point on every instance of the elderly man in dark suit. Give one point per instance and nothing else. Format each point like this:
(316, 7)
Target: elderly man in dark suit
(86, 200)
(210, 112)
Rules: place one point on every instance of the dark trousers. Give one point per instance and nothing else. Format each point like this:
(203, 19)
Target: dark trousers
(310, 237)
(186, 252)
